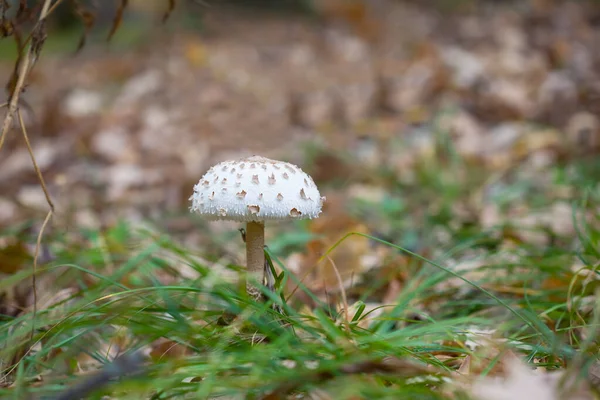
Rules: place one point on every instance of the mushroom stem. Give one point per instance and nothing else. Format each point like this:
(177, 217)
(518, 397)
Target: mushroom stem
(255, 256)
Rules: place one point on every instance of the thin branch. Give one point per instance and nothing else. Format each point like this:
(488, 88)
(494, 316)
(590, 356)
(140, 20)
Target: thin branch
(48, 217)
(54, 6)
(38, 172)
(38, 245)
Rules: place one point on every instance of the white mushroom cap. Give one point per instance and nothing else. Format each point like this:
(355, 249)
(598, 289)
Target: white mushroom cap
(256, 189)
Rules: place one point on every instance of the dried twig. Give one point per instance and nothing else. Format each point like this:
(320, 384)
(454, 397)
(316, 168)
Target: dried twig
(25, 65)
(54, 6)
(46, 220)
(29, 52)
(38, 172)
(38, 245)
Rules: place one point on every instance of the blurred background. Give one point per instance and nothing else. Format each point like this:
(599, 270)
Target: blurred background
(425, 123)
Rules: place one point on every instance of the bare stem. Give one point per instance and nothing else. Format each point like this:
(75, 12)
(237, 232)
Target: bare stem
(255, 256)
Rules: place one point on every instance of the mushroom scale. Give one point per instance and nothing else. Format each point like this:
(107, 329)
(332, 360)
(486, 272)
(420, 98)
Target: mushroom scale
(256, 189)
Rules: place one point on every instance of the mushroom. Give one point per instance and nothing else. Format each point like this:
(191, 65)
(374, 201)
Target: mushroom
(255, 190)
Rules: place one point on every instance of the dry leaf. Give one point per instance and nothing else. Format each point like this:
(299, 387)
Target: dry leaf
(14, 255)
(521, 382)
(583, 132)
(164, 348)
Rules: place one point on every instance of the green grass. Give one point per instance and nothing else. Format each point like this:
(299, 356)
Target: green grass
(223, 357)
(237, 348)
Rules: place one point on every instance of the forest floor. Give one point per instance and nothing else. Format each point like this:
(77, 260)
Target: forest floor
(458, 247)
